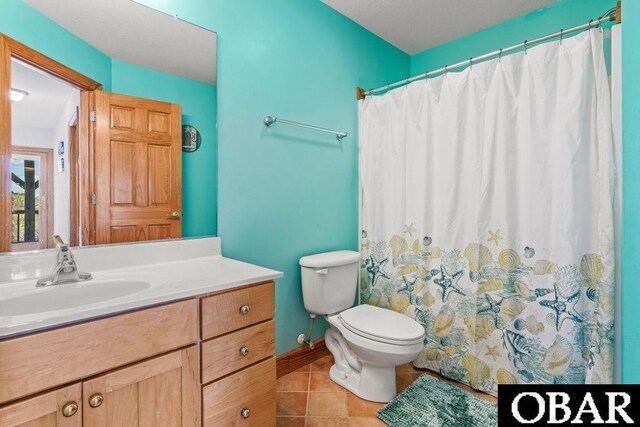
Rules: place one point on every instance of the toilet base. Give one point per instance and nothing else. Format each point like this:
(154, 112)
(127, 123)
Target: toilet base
(367, 381)
(373, 383)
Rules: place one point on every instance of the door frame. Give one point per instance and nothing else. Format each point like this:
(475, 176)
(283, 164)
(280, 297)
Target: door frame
(46, 170)
(11, 48)
(74, 173)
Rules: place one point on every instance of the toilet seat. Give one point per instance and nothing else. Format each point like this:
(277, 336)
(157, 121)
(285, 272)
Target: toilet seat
(382, 325)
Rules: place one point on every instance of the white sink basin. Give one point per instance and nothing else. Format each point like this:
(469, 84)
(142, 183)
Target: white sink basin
(60, 297)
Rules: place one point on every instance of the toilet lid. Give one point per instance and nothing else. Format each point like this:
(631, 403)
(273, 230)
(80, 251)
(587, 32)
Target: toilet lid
(382, 324)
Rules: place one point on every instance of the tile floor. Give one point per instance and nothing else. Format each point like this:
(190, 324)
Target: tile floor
(308, 397)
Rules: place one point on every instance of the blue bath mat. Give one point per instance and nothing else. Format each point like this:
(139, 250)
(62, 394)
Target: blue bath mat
(429, 402)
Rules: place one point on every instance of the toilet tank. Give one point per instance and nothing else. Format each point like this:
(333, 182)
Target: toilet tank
(329, 281)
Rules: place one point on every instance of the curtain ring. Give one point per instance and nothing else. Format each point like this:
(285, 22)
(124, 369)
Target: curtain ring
(388, 87)
(471, 62)
(446, 69)
(590, 21)
(500, 55)
(426, 76)
(525, 47)
(561, 34)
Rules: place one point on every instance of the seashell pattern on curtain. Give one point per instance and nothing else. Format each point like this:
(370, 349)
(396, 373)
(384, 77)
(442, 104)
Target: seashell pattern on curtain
(486, 216)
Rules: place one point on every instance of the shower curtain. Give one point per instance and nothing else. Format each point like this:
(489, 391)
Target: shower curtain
(486, 213)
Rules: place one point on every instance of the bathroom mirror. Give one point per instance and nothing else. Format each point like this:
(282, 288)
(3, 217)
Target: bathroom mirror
(108, 126)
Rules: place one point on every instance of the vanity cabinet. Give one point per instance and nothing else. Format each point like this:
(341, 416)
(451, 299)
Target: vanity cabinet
(58, 408)
(238, 363)
(162, 391)
(207, 360)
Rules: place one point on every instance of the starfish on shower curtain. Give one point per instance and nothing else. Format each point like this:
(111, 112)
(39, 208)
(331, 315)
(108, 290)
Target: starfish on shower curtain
(374, 268)
(409, 230)
(496, 236)
(493, 352)
(409, 286)
(449, 282)
(561, 306)
(493, 309)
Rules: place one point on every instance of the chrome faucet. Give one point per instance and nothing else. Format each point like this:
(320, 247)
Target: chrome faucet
(64, 271)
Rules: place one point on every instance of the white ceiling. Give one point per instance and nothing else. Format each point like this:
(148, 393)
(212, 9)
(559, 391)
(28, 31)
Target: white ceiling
(47, 98)
(416, 25)
(137, 34)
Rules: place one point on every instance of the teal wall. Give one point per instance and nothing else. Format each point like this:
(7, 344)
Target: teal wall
(198, 100)
(631, 199)
(286, 192)
(563, 14)
(28, 26)
(200, 168)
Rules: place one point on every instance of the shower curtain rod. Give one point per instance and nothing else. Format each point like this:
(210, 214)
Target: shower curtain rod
(613, 15)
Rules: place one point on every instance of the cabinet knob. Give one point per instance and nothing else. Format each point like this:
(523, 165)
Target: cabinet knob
(69, 409)
(244, 309)
(176, 215)
(245, 413)
(96, 400)
(244, 350)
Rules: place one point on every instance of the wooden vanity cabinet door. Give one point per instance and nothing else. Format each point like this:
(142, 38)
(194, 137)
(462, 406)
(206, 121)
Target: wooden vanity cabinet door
(163, 391)
(252, 389)
(46, 410)
(237, 309)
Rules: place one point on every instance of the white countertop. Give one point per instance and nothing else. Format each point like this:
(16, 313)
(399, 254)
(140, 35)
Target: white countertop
(168, 281)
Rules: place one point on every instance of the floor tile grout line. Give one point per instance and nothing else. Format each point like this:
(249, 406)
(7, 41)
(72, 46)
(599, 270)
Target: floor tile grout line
(306, 409)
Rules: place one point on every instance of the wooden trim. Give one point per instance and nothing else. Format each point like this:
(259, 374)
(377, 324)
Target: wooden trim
(48, 65)
(360, 93)
(86, 213)
(74, 172)
(299, 357)
(619, 12)
(12, 48)
(5, 146)
(45, 232)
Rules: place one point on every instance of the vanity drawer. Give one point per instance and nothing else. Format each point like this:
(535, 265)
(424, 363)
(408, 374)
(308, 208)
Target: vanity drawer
(253, 388)
(234, 310)
(44, 360)
(229, 353)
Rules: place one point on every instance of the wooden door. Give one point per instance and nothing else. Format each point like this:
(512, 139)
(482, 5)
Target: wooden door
(137, 160)
(58, 408)
(163, 391)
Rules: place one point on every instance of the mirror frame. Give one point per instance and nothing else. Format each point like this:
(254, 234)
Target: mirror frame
(11, 48)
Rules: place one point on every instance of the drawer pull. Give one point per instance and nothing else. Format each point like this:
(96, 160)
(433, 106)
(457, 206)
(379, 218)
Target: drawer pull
(244, 350)
(244, 309)
(70, 409)
(96, 400)
(245, 413)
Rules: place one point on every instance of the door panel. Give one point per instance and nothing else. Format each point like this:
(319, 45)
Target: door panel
(45, 410)
(137, 168)
(162, 391)
(120, 234)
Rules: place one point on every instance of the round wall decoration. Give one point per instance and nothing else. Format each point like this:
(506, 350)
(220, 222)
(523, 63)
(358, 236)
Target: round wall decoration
(190, 139)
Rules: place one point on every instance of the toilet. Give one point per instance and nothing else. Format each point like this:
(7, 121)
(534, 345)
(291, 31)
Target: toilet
(367, 342)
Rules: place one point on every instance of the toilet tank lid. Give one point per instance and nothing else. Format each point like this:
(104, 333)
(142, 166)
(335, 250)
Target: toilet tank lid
(330, 259)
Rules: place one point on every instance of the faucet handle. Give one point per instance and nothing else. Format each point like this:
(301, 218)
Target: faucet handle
(57, 241)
